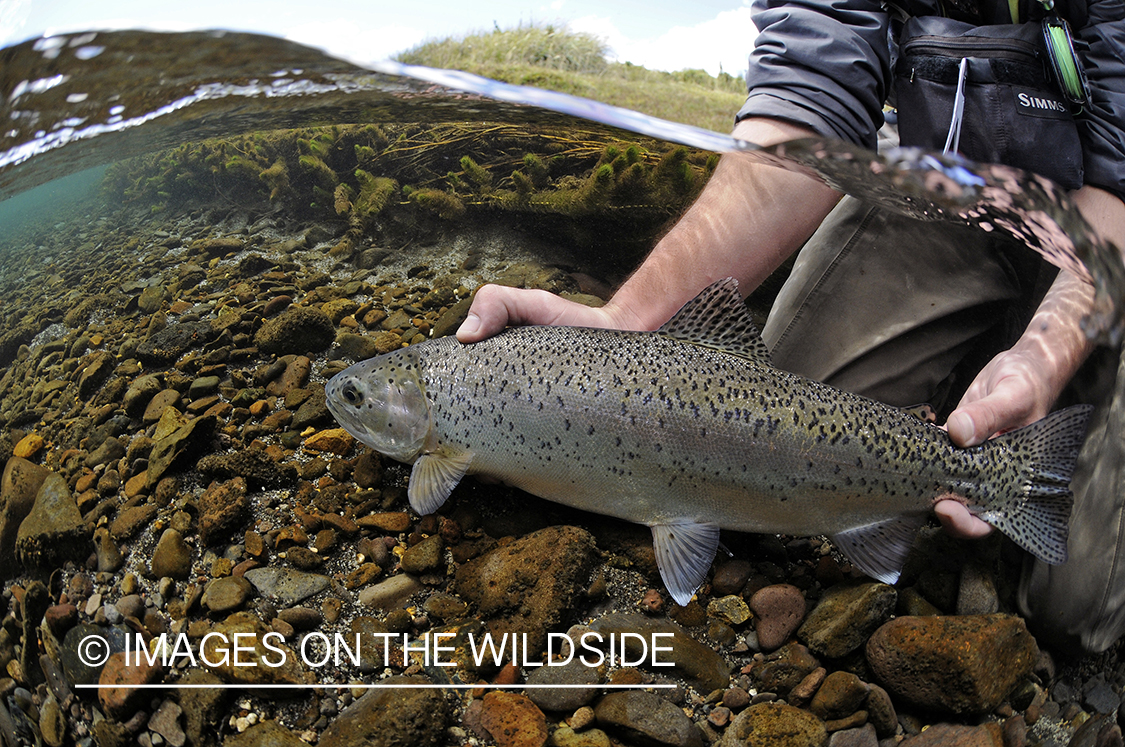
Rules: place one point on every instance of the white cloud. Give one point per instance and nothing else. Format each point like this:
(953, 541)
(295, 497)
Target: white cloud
(356, 42)
(13, 20)
(724, 42)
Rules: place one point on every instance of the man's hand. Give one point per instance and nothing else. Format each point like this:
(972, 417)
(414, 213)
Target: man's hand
(496, 307)
(1020, 385)
(1010, 392)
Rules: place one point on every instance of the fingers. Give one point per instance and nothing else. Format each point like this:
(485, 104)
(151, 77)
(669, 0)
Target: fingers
(959, 521)
(1011, 404)
(963, 429)
(496, 307)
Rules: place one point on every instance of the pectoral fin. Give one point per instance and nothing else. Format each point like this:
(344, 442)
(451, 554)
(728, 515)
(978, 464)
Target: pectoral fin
(880, 549)
(434, 477)
(684, 551)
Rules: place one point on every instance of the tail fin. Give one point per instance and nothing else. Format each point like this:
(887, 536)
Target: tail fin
(1036, 516)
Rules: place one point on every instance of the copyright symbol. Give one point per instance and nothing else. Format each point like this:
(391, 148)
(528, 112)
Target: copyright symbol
(93, 651)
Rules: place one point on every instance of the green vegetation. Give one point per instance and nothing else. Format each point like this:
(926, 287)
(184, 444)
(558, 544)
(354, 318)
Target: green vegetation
(394, 182)
(411, 178)
(553, 57)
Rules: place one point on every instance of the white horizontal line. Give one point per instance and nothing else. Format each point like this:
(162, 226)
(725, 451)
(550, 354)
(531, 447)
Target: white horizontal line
(373, 686)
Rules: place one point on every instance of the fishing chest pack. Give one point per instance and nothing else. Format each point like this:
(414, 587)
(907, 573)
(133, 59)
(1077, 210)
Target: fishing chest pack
(998, 93)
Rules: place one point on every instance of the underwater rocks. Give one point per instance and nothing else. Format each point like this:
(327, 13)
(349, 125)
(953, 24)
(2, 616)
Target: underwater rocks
(391, 718)
(531, 585)
(53, 531)
(221, 498)
(18, 488)
(647, 718)
(300, 330)
(962, 664)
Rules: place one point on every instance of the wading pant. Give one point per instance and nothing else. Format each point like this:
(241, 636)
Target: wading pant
(907, 312)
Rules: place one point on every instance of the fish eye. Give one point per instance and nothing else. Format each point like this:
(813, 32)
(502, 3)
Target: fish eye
(351, 394)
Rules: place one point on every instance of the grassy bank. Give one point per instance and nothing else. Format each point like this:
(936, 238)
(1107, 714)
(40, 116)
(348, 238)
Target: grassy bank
(554, 57)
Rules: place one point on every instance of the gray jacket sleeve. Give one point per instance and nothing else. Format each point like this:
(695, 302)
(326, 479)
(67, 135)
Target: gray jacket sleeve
(1102, 124)
(824, 64)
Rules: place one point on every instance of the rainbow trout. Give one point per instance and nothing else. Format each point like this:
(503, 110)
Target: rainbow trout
(689, 429)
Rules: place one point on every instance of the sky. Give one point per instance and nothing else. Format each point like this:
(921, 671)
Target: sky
(710, 34)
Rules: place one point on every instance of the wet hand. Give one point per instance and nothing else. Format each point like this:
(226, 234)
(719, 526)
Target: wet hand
(956, 519)
(1012, 391)
(496, 307)
(1008, 393)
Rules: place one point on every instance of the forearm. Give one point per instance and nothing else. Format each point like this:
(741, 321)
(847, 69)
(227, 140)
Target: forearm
(748, 219)
(1020, 385)
(1055, 332)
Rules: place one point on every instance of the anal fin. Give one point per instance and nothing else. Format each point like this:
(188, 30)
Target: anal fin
(880, 549)
(684, 551)
(433, 478)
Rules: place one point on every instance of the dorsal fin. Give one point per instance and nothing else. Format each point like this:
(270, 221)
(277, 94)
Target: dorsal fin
(717, 318)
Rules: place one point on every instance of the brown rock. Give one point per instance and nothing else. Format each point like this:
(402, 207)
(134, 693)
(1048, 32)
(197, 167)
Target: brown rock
(530, 585)
(730, 577)
(956, 735)
(845, 617)
(332, 441)
(780, 609)
(841, 694)
(28, 446)
(61, 618)
(256, 663)
(952, 664)
(223, 507)
(99, 365)
(513, 720)
(803, 693)
(700, 665)
(881, 712)
(172, 556)
(109, 556)
(403, 717)
(18, 488)
(782, 670)
(361, 576)
(118, 693)
(774, 725)
(227, 594)
(160, 401)
(394, 521)
(295, 376)
(54, 530)
(298, 329)
(132, 520)
(368, 470)
(647, 718)
(424, 557)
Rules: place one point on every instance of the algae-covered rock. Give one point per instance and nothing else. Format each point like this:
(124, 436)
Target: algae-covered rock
(647, 719)
(406, 717)
(846, 616)
(262, 659)
(298, 329)
(54, 531)
(774, 725)
(178, 446)
(18, 488)
(700, 665)
(531, 585)
(952, 664)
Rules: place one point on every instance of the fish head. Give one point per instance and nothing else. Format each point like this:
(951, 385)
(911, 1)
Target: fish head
(381, 402)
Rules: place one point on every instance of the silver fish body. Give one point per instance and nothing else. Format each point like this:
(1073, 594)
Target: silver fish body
(688, 430)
